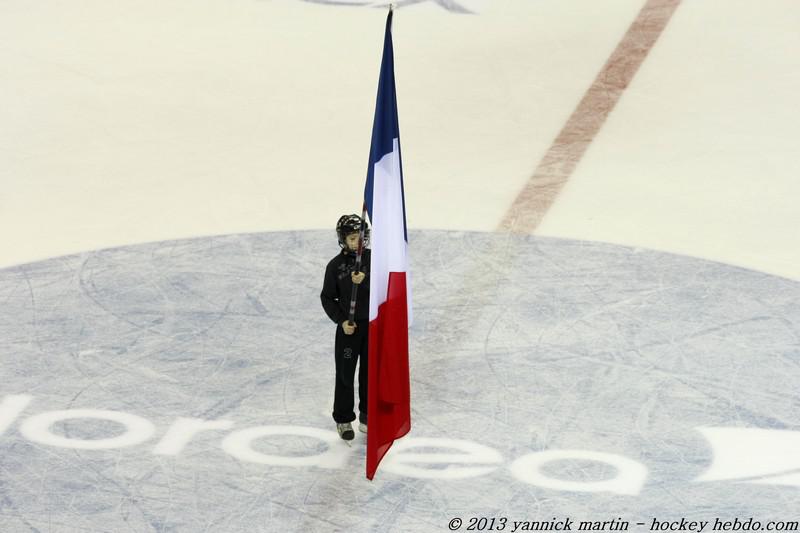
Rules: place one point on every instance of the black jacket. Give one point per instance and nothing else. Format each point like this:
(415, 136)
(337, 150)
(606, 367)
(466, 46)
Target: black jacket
(336, 289)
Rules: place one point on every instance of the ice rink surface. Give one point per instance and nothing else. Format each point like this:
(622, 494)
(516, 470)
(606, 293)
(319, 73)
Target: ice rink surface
(171, 176)
(581, 380)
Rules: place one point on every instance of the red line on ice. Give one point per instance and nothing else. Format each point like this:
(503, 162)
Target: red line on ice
(561, 158)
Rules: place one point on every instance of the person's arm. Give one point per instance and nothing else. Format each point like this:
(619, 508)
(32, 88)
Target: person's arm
(330, 296)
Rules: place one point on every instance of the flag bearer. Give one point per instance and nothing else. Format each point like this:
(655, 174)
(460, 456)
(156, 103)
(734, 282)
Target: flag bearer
(351, 339)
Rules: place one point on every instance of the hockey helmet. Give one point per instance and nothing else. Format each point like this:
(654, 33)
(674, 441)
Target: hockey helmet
(349, 224)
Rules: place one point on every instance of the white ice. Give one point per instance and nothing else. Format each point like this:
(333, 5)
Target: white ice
(126, 122)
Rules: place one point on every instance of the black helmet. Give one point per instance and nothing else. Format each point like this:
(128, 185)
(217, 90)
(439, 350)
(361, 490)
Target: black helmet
(348, 224)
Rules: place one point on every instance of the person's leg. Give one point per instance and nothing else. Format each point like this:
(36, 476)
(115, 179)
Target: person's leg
(346, 351)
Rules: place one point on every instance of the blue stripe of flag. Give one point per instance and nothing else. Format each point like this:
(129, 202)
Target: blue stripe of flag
(385, 127)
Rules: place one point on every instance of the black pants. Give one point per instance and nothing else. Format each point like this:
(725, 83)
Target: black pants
(349, 350)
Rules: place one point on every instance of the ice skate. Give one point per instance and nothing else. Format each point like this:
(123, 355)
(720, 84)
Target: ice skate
(345, 431)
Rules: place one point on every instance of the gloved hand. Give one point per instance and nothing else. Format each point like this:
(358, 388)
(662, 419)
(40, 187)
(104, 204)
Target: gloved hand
(348, 328)
(357, 277)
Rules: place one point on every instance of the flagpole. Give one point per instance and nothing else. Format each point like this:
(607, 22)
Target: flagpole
(354, 290)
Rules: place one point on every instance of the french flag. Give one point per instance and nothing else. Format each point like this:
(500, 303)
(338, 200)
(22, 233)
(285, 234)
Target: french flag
(389, 398)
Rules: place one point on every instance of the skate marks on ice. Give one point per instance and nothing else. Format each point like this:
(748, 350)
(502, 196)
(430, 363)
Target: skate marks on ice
(182, 386)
